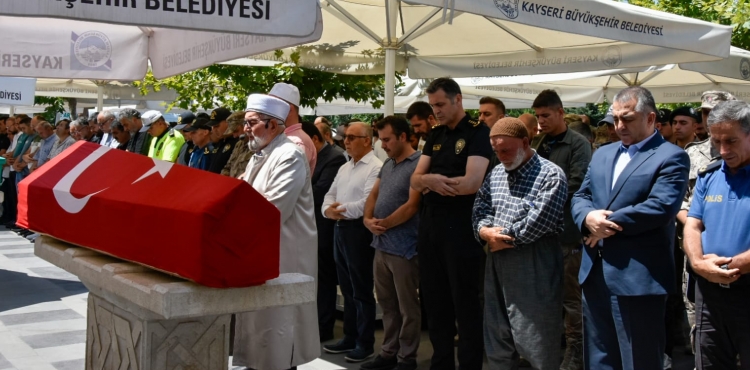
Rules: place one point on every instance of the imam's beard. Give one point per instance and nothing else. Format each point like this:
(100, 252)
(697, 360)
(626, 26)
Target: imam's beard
(257, 143)
(520, 155)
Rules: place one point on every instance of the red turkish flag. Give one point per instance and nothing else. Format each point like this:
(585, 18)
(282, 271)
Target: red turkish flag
(211, 229)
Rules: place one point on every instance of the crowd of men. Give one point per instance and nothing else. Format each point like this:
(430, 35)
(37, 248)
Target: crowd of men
(504, 235)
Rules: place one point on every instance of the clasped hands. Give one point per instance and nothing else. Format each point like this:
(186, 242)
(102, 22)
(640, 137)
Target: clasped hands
(440, 184)
(495, 240)
(599, 226)
(377, 226)
(333, 212)
(710, 268)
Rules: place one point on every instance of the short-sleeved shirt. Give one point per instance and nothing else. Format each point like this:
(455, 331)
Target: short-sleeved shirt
(393, 192)
(449, 151)
(722, 201)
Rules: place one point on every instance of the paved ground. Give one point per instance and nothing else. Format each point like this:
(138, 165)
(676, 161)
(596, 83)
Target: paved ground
(43, 316)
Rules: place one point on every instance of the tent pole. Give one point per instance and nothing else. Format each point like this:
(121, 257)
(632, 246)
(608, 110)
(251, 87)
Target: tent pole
(390, 80)
(99, 97)
(12, 111)
(391, 45)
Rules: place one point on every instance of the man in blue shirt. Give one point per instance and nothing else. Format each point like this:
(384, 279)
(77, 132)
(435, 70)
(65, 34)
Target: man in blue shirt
(717, 242)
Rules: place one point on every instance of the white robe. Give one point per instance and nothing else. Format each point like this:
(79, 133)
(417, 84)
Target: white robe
(280, 338)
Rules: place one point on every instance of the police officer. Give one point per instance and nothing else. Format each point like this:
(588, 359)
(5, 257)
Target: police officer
(203, 151)
(453, 164)
(223, 143)
(717, 242)
(701, 154)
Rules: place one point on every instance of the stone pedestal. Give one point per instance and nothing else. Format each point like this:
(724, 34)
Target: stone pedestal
(142, 319)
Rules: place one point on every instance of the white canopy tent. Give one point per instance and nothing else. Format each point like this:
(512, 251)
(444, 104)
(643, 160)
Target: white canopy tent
(502, 37)
(103, 92)
(39, 44)
(413, 91)
(673, 83)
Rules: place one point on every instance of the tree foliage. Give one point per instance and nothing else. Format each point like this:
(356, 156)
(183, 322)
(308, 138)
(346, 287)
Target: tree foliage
(53, 106)
(229, 85)
(727, 12)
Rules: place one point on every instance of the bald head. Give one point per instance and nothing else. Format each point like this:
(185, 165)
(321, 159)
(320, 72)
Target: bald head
(531, 124)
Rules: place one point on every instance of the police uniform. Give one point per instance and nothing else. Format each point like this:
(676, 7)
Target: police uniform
(202, 158)
(450, 258)
(224, 150)
(722, 311)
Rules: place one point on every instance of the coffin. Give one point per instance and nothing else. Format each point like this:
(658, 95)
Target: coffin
(214, 230)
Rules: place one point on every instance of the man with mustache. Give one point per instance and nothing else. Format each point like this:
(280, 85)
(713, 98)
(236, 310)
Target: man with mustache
(280, 337)
(518, 212)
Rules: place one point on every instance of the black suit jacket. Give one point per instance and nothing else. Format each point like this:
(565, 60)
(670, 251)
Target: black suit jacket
(330, 158)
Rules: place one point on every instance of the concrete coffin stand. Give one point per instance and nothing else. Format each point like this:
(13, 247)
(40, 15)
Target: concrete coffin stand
(142, 319)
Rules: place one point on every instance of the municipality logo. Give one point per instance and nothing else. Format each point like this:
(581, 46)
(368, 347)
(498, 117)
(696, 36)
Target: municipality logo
(612, 56)
(745, 68)
(90, 51)
(508, 7)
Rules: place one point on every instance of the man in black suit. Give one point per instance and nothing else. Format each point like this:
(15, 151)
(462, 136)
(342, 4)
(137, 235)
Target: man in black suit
(330, 158)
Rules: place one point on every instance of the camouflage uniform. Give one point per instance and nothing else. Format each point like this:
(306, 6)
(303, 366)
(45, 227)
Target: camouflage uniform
(238, 160)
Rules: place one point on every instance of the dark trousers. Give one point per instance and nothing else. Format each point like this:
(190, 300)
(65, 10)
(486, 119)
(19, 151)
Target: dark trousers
(675, 306)
(572, 254)
(621, 332)
(10, 204)
(722, 325)
(450, 261)
(354, 261)
(327, 279)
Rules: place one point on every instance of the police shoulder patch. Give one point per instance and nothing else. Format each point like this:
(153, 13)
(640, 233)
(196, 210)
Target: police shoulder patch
(713, 166)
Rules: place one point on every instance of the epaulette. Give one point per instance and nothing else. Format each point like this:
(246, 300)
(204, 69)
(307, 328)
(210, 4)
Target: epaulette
(436, 126)
(713, 166)
(474, 123)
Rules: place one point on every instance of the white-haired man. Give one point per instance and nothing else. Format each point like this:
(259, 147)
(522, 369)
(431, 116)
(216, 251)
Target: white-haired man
(280, 337)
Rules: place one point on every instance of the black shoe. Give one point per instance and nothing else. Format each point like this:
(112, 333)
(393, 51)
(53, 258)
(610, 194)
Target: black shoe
(342, 346)
(359, 355)
(407, 365)
(380, 363)
(25, 232)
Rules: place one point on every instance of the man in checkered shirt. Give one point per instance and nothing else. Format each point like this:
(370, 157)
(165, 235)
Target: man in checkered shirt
(518, 212)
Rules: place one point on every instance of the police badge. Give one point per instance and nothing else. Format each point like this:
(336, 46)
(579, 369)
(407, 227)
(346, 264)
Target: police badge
(508, 7)
(460, 144)
(213, 115)
(226, 148)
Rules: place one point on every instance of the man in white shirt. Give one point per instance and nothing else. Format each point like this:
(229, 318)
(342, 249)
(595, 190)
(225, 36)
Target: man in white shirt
(105, 119)
(345, 203)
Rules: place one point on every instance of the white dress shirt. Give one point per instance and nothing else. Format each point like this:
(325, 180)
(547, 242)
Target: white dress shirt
(624, 156)
(352, 186)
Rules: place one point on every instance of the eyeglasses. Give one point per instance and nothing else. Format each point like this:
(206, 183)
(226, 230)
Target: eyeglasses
(253, 122)
(353, 137)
